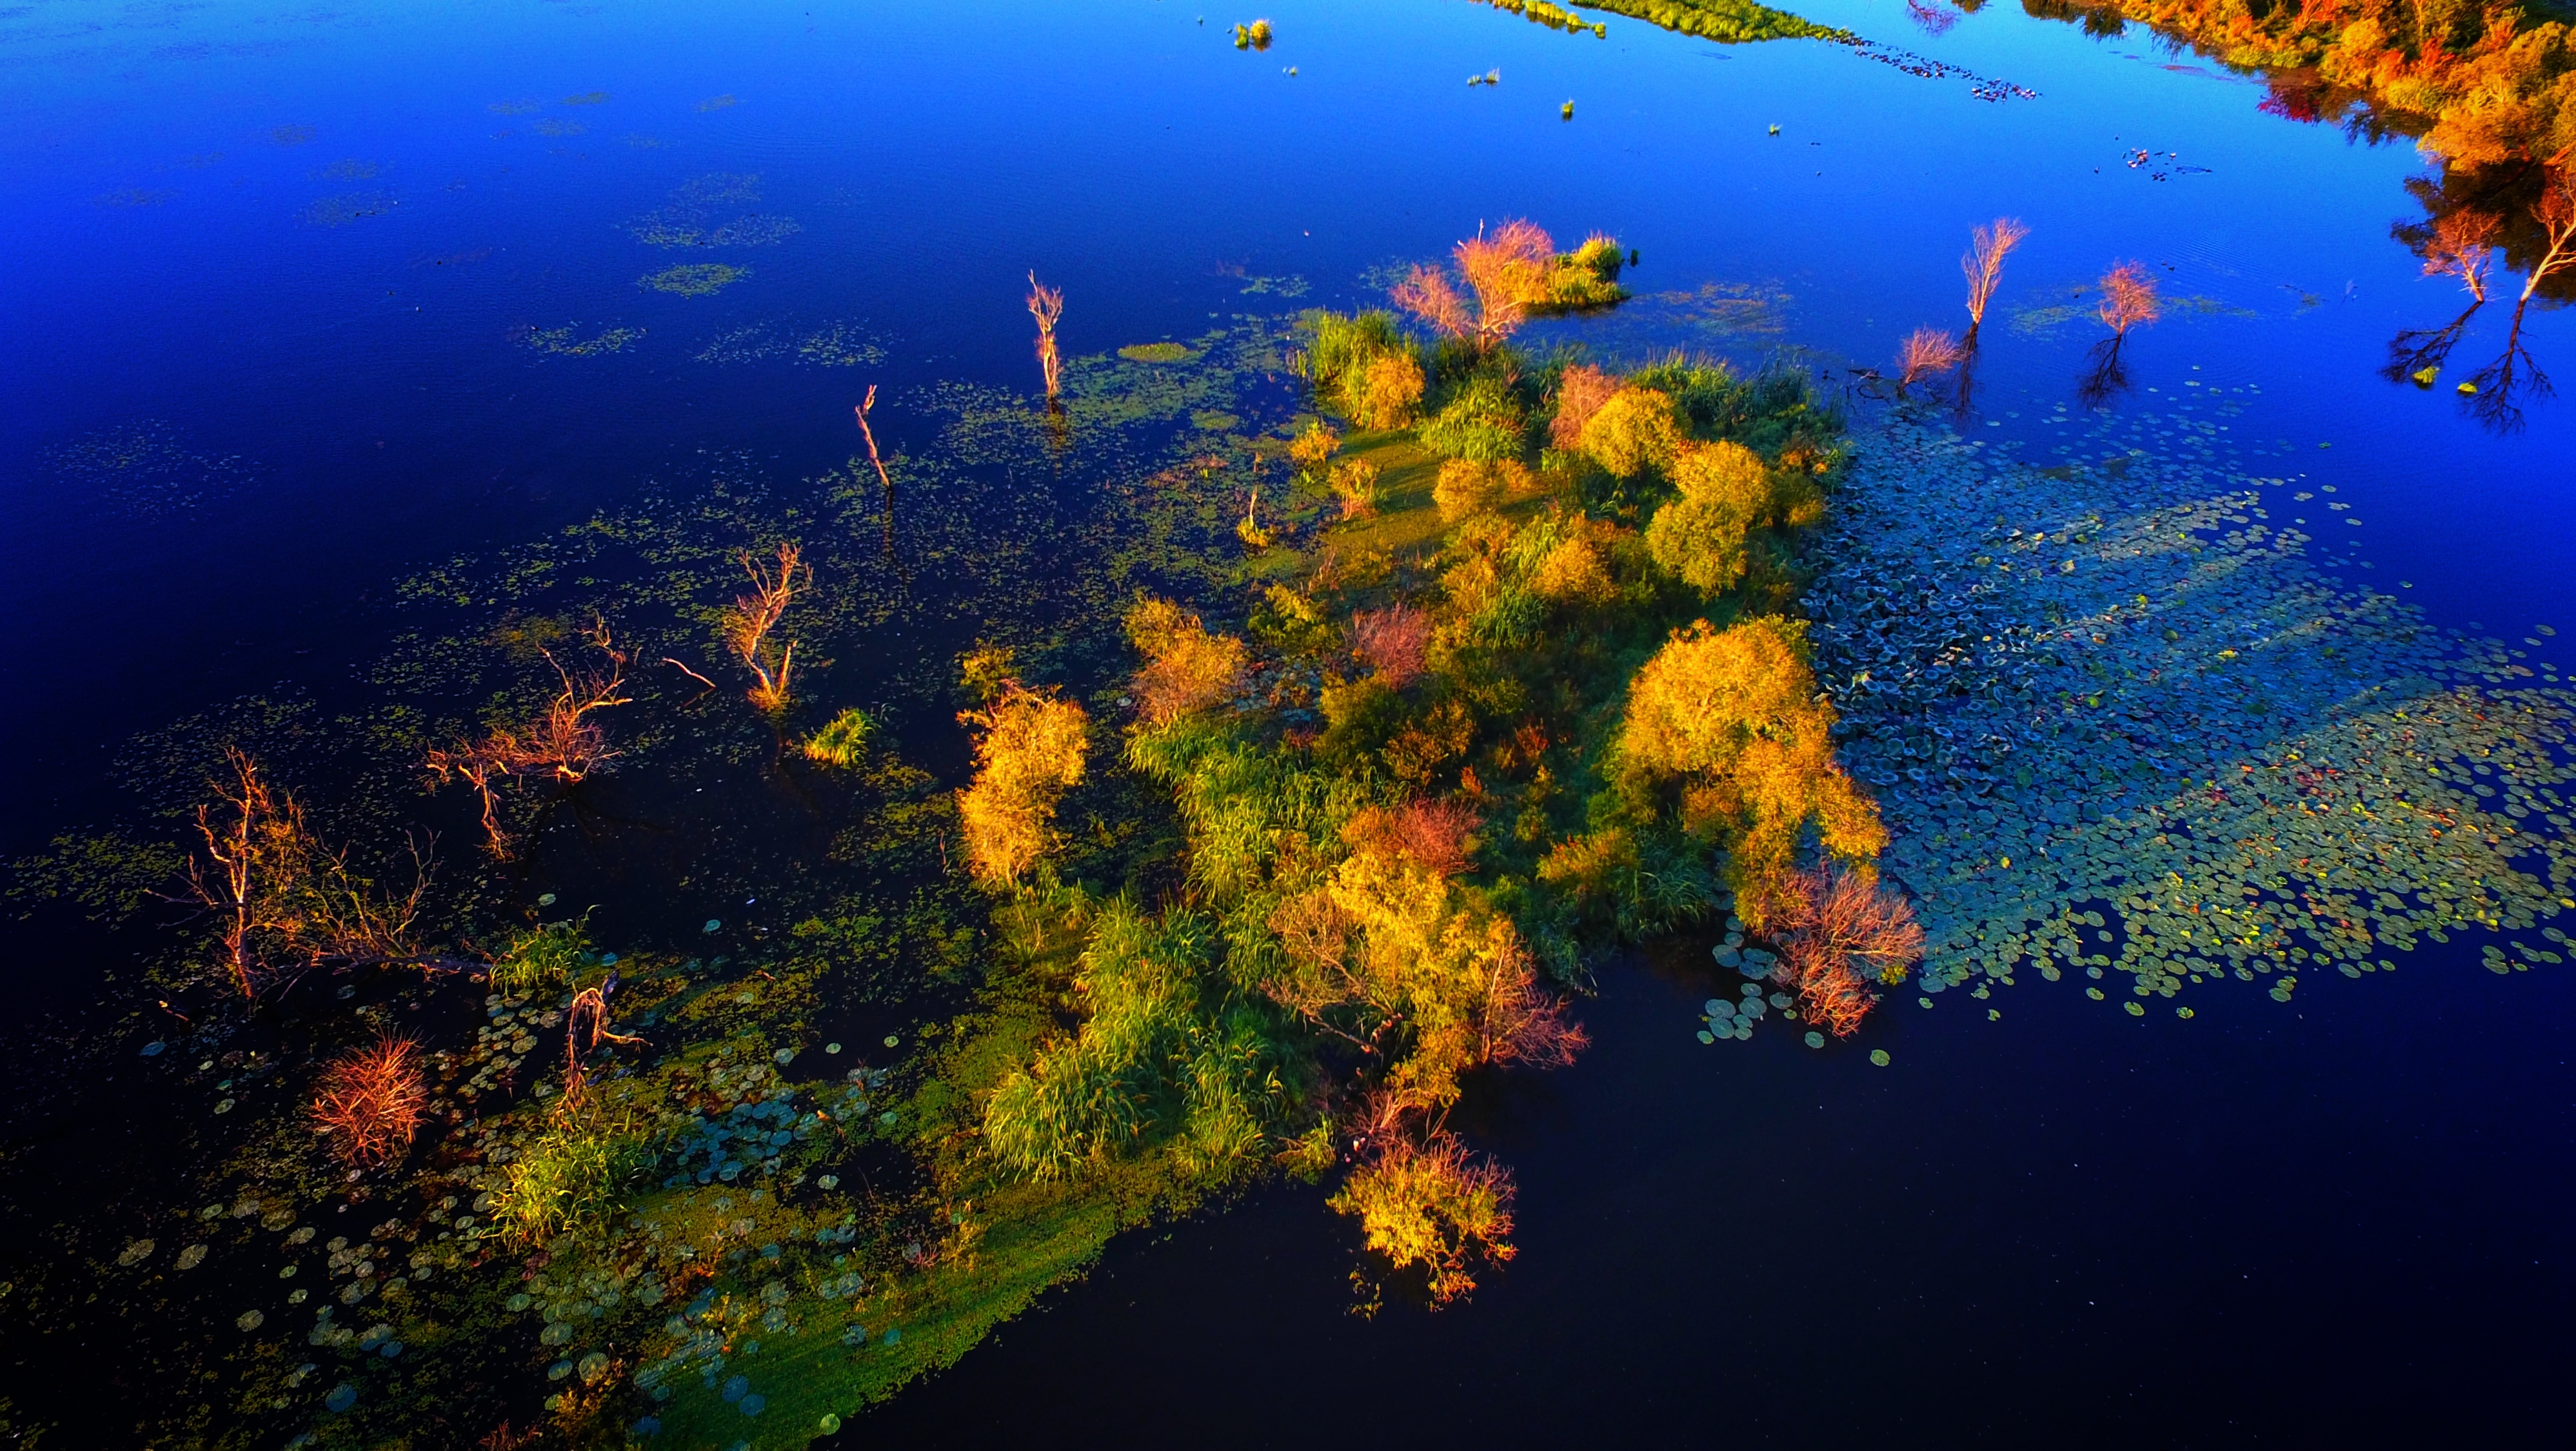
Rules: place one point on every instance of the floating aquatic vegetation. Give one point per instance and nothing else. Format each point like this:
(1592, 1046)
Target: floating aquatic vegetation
(587, 98)
(1165, 352)
(2120, 723)
(695, 279)
(515, 108)
(689, 219)
(832, 345)
(556, 126)
(341, 211)
(291, 135)
(718, 103)
(149, 469)
(1714, 316)
(131, 196)
(561, 341)
(350, 169)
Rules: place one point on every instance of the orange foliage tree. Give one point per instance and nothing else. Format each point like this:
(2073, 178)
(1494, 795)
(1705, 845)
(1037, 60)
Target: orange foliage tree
(2128, 298)
(1394, 641)
(1579, 394)
(1731, 717)
(1507, 273)
(371, 1101)
(1030, 748)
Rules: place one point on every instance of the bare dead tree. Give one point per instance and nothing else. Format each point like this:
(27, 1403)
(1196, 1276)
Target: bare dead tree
(1984, 265)
(746, 624)
(1046, 304)
(2463, 246)
(283, 903)
(564, 742)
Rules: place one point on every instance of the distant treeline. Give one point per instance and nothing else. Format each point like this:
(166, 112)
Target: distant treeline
(2479, 85)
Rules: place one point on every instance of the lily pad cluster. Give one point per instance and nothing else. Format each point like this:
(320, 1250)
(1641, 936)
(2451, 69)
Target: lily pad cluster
(2121, 723)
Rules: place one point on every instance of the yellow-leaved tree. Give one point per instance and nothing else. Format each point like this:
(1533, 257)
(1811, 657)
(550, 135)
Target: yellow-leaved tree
(1730, 718)
(1699, 537)
(1030, 747)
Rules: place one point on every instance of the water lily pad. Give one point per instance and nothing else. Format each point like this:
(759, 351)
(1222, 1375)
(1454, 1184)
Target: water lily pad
(1706, 1036)
(342, 1397)
(1815, 1039)
(714, 924)
(154, 1049)
(545, 899)
(191, 1257)
(1879, 1057)
(135, 1253)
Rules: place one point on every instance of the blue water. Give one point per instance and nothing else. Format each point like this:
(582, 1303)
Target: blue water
(304, 248)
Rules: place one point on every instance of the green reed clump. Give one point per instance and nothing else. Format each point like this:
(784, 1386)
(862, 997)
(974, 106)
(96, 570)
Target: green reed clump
(842, 743)
(1588, 276)
(543, 959)
(1483, 422)
(568, 1179)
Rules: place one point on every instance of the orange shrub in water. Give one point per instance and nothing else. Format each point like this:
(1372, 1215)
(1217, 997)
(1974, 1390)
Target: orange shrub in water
(1431, 1204)
(1840, 932)
(371, 1101)
(1926, 351)
(2128, 298)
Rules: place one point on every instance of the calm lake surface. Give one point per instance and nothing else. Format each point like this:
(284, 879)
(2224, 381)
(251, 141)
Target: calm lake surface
(302, 302)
